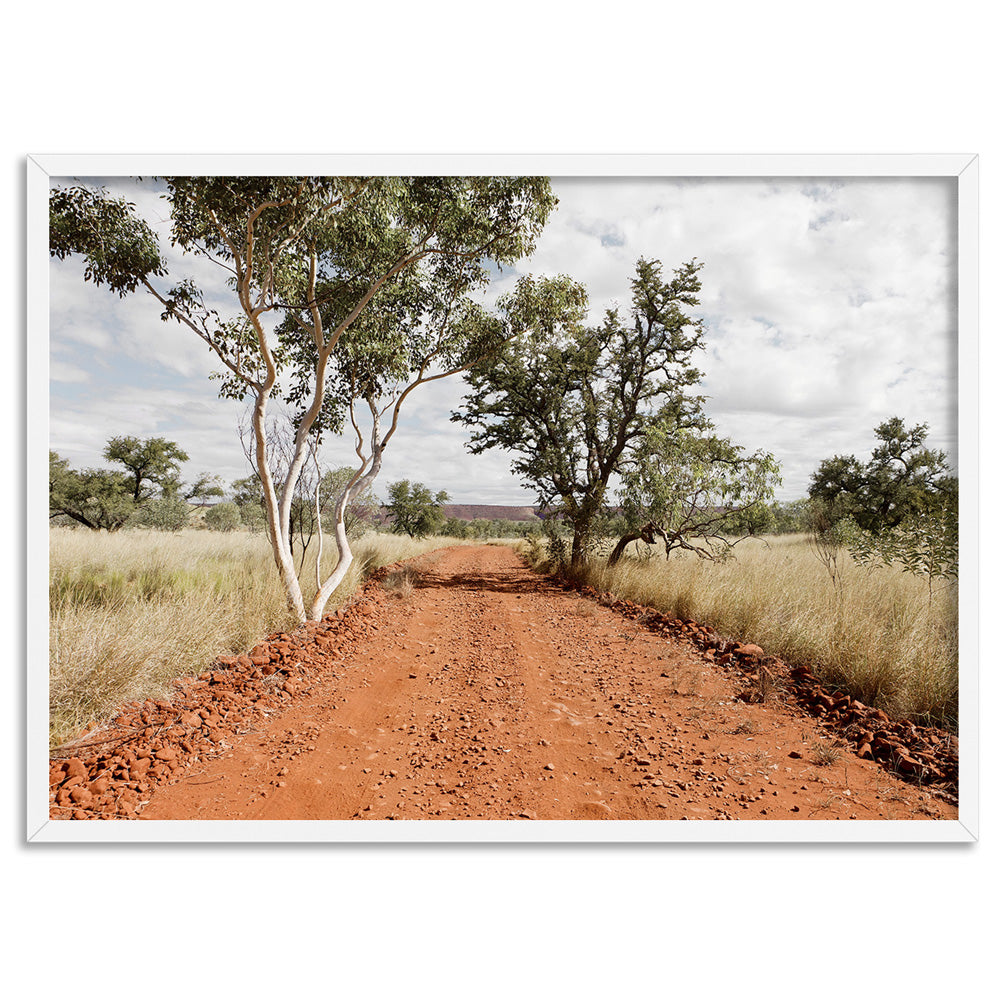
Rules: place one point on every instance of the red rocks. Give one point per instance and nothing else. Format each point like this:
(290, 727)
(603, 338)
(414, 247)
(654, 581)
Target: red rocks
(153, 740)
(918, 753)
(76, 772)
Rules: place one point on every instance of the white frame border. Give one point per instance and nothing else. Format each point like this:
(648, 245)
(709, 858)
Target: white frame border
(40, 829)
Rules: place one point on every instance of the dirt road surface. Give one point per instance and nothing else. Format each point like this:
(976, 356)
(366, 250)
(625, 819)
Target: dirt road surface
(490, 692)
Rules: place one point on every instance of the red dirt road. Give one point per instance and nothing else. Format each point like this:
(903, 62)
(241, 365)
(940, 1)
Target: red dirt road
(490, 692)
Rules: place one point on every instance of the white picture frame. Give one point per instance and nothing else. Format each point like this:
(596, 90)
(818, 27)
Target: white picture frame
(40, 829)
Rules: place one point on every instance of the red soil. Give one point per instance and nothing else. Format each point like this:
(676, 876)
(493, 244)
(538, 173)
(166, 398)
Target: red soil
(490, 692)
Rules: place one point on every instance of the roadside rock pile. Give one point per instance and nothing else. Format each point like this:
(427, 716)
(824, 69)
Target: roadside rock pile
(110, 771)
(923, 755)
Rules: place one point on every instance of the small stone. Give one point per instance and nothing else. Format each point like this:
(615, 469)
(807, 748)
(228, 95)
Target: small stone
(550, 767)
(76, 772)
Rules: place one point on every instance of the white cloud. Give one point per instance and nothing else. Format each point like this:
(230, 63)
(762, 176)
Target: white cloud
(60, 372)
(829, 306)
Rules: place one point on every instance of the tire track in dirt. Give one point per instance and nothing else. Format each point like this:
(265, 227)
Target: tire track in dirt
(493, 693)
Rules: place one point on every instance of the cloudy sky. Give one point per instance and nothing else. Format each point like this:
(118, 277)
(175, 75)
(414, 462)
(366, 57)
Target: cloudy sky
(829, 304)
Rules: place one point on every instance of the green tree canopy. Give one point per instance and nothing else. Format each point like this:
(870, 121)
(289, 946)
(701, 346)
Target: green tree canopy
(360, 515)
(95, 498)
(348, 293)
(414, 510)
(156, 461)
(249, 499)
(205, 485)
(903, 477)
(693, 490)
(574, 402)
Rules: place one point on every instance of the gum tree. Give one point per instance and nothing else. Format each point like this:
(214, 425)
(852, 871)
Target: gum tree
(690, 489)
(414, 510)
(573, 403)
(347, 293)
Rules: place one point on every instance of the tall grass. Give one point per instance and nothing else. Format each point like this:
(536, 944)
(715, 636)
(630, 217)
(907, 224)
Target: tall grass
(877, 633)
(129, 612)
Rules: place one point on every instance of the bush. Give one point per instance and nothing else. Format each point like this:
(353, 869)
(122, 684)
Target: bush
(252, 516)
(223, 517)
(163, 514)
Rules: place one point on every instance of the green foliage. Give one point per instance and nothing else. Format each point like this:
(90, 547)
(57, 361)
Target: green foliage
(320, 251)
(829, 529)
(205, 486)
(96, 498)
(99, 498)
(454, 527)
(249, 499)
(573, 402)
(155, 460)
(902, 478)
(901, 507)
(414, 510)
(692, 489)
(223, 517)
(169, 513)
(791, 517)
(346, 290)
(252, 516)
(119, 249)
(926, 543)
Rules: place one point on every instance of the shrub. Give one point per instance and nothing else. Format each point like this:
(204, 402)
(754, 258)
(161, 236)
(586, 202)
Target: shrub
(163, 514)
(223, 517)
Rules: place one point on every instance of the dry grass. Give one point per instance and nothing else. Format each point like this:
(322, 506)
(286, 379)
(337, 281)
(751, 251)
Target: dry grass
(876, 635)
(129, 612)
(824, 754)
(399, 583)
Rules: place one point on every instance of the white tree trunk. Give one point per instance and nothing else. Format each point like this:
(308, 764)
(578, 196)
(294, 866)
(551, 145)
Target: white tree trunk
(334, 580)
(344, 554)
(277, 518)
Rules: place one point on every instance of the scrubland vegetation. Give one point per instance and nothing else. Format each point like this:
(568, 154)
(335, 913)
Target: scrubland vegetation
(132, 610)
(576, 406)
(877, 632)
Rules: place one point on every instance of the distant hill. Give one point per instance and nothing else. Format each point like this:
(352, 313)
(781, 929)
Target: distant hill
(486, 511)
(489, 512)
